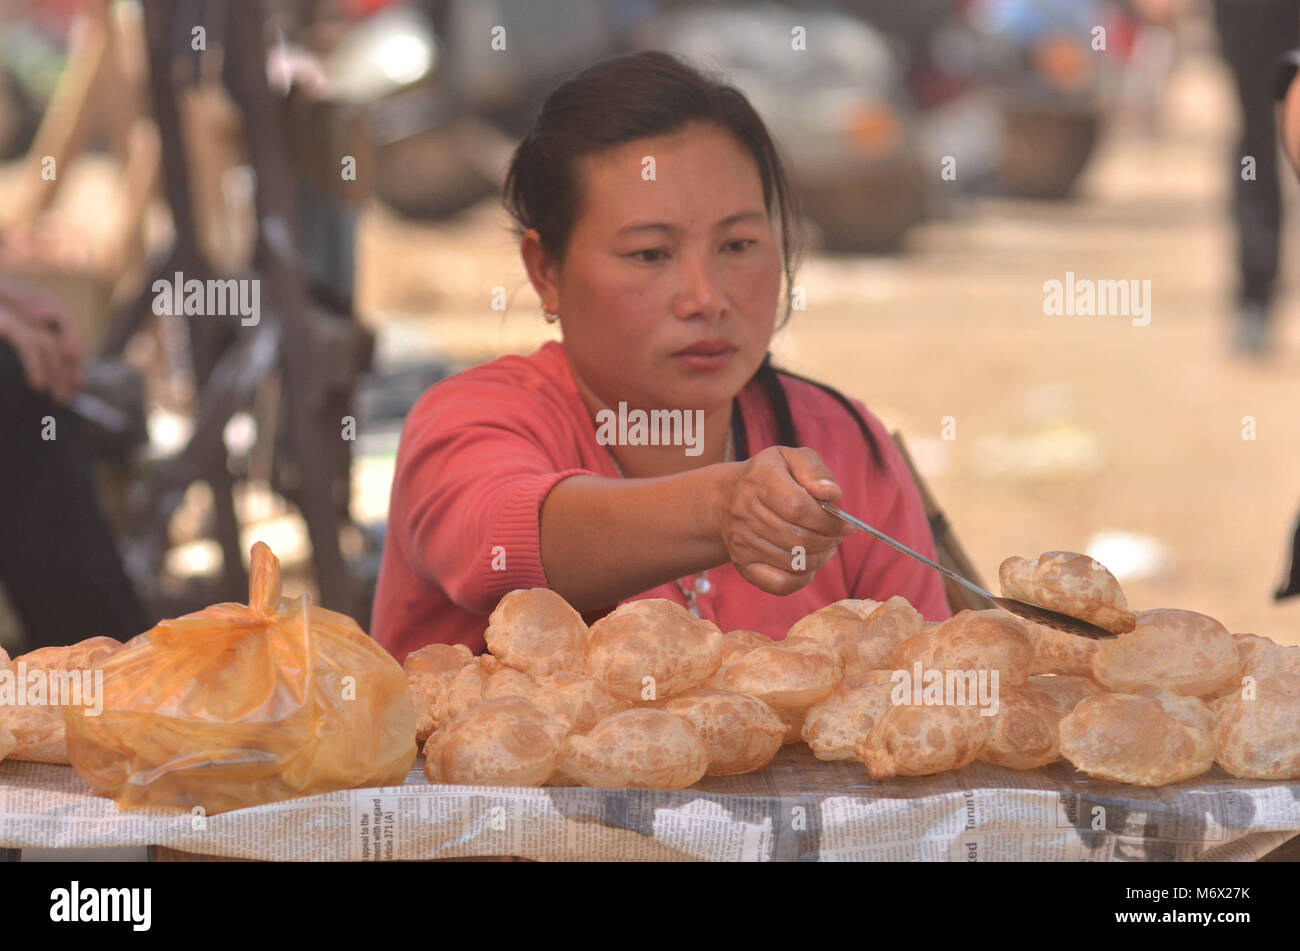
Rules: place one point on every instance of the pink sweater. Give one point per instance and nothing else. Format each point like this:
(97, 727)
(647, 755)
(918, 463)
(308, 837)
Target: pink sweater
(480, 451)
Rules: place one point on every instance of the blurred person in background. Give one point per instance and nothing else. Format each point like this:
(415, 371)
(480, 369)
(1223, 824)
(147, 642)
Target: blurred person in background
(59, 561)
(1253, 34)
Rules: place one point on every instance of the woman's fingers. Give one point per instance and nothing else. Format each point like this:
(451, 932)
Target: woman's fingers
(808, 470)
(797, 491)
(755, 549)
(775, 531)
(774, 580)
(786, 534)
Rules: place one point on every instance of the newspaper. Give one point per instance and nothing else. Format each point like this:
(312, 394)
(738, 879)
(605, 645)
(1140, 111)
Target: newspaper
(797, 809)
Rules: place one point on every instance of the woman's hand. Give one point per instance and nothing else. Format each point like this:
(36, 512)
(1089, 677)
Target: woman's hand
(768, 508)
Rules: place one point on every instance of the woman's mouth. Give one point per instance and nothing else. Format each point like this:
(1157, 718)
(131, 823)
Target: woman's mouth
(706, 355)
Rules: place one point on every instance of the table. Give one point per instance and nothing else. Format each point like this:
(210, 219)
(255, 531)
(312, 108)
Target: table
(797, 809)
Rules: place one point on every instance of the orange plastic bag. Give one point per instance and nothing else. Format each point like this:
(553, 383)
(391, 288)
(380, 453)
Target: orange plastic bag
(239, 705)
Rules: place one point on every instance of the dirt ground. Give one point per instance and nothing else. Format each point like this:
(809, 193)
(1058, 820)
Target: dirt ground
(1065, 427)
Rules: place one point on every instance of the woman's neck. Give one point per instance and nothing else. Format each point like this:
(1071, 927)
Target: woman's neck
(695, 438)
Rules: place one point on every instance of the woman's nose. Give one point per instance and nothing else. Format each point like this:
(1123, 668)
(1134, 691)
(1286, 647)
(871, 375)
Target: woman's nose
(701, 287)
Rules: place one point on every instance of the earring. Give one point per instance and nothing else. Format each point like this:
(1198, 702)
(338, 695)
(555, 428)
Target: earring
(548, 316)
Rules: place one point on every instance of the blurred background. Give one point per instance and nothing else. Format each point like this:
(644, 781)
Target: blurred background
(951, 157)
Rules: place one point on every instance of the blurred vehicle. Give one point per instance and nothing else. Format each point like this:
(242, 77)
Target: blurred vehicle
(444, 107)
(1055, 89)
(839, 116)
(957, 109)
(387, 62)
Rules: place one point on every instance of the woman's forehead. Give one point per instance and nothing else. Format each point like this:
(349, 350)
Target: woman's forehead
(701, 175)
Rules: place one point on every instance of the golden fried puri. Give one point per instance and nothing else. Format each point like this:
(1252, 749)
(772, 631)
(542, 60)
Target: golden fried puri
(1181, 651)
(38, 730)
(437, 660)
(919, 739)
(920, 647)
(985, 640)
(1257, 735)
(1023, 734)
(829, 626)
(833, 728)
(583, 700)
(535, 630)
(7, 741)
(790, 679)
(642, 748)
(83, 655)
(806, 645)
(652, 649)
(506, 741)
(742, 733)
(464, 691)
(1262, 655)
(507, 682)
(863, 606)
(429, 672)
(735, 645)
(1134, 739)
(793, 721)
(1063, 690)
(863, 642)
(883, 631)
(866, 678)
(1191, 711)
(1059, 652)
(1071, 583)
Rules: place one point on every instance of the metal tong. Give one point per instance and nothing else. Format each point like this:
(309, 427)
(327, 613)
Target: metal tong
(1030, 612)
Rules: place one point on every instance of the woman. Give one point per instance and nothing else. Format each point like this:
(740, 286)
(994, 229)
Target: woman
(644, 198)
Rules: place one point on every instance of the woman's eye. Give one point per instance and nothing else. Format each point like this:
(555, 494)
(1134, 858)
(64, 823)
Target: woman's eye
(741, 244)
(655, 255)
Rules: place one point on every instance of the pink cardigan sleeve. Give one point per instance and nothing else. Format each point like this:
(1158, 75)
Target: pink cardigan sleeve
(896, 507)
(476, 461)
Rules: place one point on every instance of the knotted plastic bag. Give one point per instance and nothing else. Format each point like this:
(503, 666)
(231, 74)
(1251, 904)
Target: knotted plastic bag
(238, 705)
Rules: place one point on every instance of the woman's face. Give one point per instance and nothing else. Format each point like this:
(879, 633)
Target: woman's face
(668, 289)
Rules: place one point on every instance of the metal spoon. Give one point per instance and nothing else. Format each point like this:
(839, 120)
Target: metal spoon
(1032, 612)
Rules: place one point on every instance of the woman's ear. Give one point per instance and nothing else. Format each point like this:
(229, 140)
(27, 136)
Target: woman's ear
(1290, 124)
(1288, 111)
(543, 271)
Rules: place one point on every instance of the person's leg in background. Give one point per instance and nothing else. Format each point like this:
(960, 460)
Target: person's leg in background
(1253, 34)
(58, 557)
